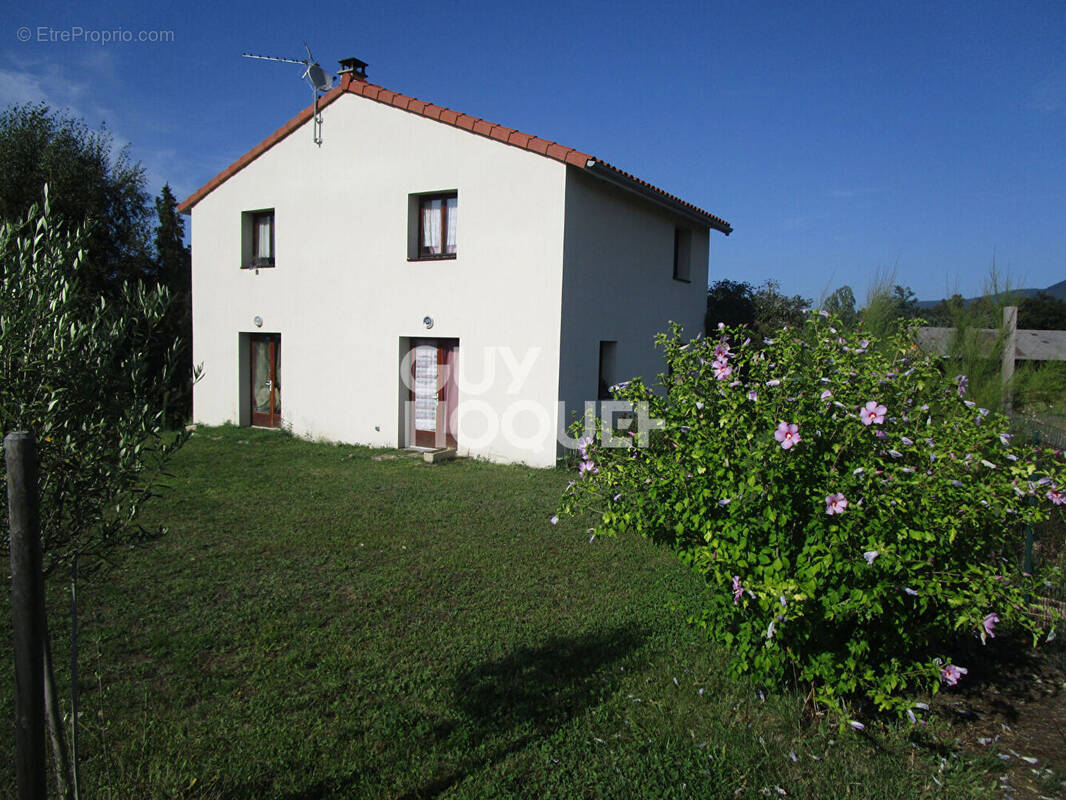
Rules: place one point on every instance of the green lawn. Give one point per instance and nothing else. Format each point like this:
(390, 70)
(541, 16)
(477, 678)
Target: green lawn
(319, 623)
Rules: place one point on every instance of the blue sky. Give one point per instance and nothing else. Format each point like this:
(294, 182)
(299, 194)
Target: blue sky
(843, 141)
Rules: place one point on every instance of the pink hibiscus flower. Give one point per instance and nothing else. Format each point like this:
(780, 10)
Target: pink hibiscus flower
(951, 674)
(990, 623)
(788, 435)
(835, 504)
(873, 413)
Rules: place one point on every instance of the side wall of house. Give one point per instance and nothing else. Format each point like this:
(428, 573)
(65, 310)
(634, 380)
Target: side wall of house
(347, 300)
(618, 286)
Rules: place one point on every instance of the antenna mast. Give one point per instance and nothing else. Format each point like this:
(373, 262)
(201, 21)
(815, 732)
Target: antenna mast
(316, 78)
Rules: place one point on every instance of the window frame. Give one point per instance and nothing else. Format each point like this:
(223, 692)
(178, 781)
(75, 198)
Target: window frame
(682, 254)
(420, 254)
(262, 262)
(607, 369)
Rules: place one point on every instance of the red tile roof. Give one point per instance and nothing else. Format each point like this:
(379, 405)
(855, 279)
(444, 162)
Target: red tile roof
(501, 133)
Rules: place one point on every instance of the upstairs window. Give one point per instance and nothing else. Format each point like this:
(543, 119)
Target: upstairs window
(608, 369)
(263, 239)
(257, 239)
(438, 218)
(682, 254)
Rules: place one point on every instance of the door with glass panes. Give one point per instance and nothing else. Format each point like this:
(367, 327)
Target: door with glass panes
(434, 392)
(266, 380)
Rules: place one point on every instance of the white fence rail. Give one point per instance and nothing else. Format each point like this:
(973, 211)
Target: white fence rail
(1018, 345)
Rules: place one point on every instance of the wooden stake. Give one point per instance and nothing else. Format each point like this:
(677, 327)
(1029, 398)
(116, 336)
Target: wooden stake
(27, 613)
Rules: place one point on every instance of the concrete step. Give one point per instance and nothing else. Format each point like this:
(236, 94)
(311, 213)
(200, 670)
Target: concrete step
(437, 456)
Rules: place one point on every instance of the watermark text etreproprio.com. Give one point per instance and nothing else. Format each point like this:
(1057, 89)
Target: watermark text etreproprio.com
(79, 34)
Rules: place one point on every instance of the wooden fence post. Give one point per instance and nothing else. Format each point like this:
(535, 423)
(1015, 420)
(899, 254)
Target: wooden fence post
(1010, 350)
(27, 613)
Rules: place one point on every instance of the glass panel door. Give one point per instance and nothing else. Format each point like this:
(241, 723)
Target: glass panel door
(266, 385)
(434, 392)
(425, 393)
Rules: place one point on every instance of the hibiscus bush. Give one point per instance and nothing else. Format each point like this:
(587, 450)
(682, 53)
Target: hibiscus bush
(855, 516)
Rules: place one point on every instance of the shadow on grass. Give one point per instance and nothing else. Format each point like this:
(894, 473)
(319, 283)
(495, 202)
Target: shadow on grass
(545, 684)
(509, 702)
(530, 693)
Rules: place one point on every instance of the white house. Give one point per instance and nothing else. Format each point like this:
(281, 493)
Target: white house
(424, 277)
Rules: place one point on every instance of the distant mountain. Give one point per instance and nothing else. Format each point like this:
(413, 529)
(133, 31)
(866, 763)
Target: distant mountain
(1056, 290)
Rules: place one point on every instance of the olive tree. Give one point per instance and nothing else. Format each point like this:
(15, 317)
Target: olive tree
(75, 371)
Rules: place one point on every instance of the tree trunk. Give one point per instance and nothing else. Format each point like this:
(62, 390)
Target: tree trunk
(60, 757)
(74, 677)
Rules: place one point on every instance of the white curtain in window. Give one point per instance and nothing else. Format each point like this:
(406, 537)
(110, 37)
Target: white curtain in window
(453, 218)
(264, 224)
(261, 375)
(431, 211)
(425, 388)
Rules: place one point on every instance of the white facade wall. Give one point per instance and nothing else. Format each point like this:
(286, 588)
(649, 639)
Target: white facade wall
(344, 295)
(618, 285)
(551, 261)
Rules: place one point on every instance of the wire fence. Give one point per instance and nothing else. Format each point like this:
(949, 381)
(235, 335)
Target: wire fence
(1037, 431)
(1043, 554)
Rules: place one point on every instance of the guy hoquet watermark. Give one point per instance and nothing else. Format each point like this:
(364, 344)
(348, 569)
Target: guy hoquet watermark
(76, 34)
(521, 422)
(623, 424)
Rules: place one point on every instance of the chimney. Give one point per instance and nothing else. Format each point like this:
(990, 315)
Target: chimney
(353, 67)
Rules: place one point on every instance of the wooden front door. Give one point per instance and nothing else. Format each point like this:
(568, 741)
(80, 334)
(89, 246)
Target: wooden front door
(434, 393)
(266, 380)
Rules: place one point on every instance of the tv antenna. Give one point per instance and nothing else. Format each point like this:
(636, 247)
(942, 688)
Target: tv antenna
(316, 78)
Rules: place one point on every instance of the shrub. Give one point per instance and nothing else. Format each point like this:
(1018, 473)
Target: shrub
(75, 372)
(854, 514)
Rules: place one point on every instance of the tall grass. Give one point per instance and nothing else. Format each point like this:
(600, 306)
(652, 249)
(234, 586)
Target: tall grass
(1037, 388)
(978, 357)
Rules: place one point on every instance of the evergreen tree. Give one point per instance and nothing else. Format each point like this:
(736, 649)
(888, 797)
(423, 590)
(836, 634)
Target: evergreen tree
(173, 269)
(905, 301)
(841, 304)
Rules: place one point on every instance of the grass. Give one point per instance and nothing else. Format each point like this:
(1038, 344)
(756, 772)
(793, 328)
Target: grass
(332, 621)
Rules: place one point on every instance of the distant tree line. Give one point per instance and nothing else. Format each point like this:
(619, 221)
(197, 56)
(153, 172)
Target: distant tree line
(765, 308)
(1037, 387)
(130, 240)
(1041, 312)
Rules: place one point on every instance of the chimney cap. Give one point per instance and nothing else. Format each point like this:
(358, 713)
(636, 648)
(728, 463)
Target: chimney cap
(354, 67)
